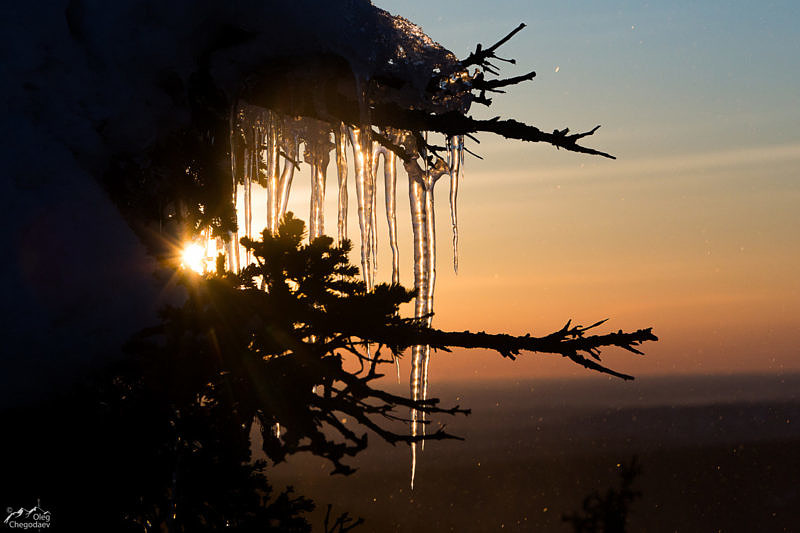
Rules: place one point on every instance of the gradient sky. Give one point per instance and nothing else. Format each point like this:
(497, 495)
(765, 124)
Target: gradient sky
(693, 230)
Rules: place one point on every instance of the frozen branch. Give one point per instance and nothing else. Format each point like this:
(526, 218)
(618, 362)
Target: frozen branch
(568, 342)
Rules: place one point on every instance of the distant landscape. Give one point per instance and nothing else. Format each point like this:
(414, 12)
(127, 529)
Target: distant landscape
(718, 454)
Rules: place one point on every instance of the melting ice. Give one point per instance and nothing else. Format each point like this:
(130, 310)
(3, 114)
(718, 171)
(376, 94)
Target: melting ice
(265, 150)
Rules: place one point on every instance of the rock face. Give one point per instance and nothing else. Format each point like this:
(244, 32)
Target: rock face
(86, 83)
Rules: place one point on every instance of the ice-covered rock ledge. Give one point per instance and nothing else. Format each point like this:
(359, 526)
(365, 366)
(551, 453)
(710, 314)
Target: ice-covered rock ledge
(87, 82)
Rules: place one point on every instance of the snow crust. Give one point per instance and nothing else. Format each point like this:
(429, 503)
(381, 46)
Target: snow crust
(83, 82)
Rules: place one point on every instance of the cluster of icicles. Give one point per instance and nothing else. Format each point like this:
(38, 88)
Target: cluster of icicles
(265, 149)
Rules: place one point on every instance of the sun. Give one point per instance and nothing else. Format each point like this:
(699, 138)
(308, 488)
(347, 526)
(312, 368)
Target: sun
(193, 257)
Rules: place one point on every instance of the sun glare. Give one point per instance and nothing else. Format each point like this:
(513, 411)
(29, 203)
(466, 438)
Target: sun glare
(194, 257)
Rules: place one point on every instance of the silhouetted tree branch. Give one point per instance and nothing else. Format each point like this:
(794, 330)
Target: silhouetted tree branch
(567, 342)
(481, 55)
(269, 344)
(288, 91)
(270, 348)
(287, 322)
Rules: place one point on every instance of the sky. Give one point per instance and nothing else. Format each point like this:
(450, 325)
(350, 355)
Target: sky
(693, 230)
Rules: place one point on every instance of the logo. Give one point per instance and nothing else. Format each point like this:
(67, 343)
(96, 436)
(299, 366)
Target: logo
(33, 518)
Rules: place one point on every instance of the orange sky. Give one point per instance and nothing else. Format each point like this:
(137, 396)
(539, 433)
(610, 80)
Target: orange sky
(701, 246)
(693, 230)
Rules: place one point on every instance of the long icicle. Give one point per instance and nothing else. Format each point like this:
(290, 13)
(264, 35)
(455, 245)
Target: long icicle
(290, 144)
(317, 216)
(257, 139)
(313, 208)
(390, 196)
(249, 159)
(455, 153)
(233, 236)
(416, 195)
(362, 173)
(340, 137)
(365, 128)
(426, 353)
(273, 169)
(390, 188)
(317, 154)
(430, 277)
(373, 223)
(421, 187)
(369, 191)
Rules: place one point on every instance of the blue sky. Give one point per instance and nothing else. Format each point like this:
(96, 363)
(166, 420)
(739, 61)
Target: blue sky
(724, 73)
(692, 230)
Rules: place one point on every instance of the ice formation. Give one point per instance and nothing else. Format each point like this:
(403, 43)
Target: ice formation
(263, 141)
(267, 141)
(90, 100)
(264, 147)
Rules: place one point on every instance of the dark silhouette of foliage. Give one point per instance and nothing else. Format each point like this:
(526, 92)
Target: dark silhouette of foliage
(162, 438)
(608, 512)
(269, 344)
(161, 441)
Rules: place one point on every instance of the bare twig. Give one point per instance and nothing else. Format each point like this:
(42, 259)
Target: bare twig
(480, 55)
(492, 85)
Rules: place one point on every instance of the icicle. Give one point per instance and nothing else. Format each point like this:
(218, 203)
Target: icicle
(430, 276)
(341, 172)
(273, 168)
(233, 236)
(364, 191)
(373, 221)
(416, 194)
(290, 143)
(317, 213)
(397, 367)
(413, 454)
(365, 181)
(390, 187)
(249, 161)
(421, 185)
(455, 153)
(390, 182)
(432, 175)
(369, 190)
(259, 136)
(313, 210)
(323, 158)
(317, 154)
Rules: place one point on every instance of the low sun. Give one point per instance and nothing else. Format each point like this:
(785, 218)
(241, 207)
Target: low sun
(194, 257)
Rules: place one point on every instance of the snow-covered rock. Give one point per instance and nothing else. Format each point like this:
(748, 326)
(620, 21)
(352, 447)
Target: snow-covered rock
(85, 82)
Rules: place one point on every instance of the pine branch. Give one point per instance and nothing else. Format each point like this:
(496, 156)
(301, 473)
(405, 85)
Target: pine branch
(480, 56)
(492, 85)
(455, 123)
(287, 91)
(567, 342)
